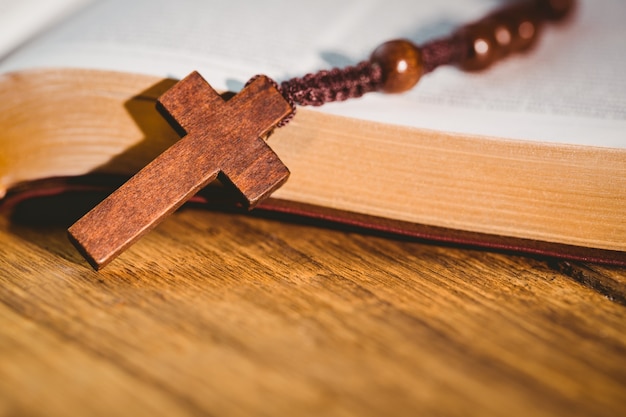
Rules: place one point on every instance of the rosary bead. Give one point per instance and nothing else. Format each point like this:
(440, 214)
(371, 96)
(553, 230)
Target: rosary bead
(503, 34)
(523, 23)
(511, 29)
(515, 35)
(401, 64)
(526, 33)
(556, 9)
(482, 46)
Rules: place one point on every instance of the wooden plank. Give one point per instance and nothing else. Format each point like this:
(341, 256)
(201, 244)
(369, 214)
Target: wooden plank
(251, 316)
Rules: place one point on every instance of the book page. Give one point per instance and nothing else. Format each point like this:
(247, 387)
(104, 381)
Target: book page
(568, 89)
(22, 19)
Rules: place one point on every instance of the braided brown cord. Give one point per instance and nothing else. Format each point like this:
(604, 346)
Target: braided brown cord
(445, 51)
(337, 84)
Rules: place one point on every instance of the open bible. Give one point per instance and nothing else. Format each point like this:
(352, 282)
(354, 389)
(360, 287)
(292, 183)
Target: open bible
(529, 155)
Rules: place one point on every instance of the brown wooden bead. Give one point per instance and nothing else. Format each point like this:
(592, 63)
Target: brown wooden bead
(556, 9)
(503, 34)
(516, 27)
(524, 24)
(401, 64)
(482, 47)
(526, 33)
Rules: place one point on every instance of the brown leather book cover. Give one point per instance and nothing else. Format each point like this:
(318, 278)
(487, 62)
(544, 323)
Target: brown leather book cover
(45, 201)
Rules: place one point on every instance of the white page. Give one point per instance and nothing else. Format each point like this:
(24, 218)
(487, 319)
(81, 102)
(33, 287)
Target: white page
(568, 89)
(22, 19)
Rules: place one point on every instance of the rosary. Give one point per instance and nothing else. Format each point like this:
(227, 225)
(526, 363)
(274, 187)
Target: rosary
(225, 137)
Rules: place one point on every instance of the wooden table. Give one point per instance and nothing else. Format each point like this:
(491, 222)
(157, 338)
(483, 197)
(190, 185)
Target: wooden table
(230, 315)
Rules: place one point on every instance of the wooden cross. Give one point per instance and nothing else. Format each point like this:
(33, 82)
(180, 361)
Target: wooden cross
(222, 137)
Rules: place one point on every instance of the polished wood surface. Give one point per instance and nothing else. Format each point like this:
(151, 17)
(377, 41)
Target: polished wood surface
(225, 314)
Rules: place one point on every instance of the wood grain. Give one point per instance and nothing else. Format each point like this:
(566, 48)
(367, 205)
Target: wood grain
(220, 137)
(225, 314)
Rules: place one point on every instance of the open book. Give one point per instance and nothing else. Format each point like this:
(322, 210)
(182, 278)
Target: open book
(529, 155)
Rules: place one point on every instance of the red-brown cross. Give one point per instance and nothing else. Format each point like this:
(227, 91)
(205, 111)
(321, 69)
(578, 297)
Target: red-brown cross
(222, 136)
